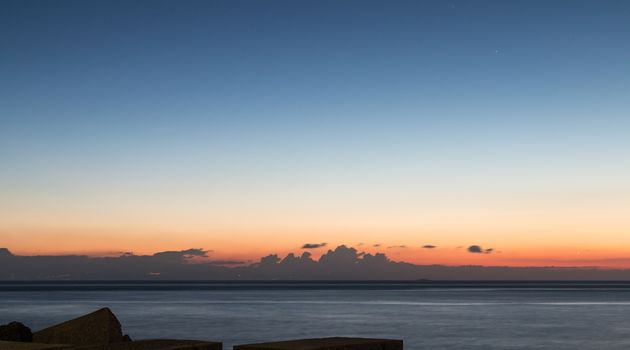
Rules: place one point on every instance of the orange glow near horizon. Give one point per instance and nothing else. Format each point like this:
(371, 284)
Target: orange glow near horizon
(250, 246)
(253, 129)
(522, 229)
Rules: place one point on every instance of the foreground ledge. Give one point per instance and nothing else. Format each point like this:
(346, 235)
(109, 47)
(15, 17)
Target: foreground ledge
(156, 344)
(152, 344)
(335, 343)
(11, 345)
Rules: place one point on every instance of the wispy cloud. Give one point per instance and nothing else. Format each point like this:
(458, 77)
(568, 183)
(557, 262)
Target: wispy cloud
(313, 245)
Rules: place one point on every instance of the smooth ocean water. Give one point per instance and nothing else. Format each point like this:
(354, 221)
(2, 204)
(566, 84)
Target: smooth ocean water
(424, 315)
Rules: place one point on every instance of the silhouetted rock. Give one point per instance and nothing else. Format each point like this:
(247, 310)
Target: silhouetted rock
(99, 327)
(126, 338)
(336, 343)
(7, 345)
(15, 331)
(156, 344)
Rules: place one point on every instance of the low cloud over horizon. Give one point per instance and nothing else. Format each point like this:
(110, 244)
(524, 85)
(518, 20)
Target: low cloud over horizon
(341, 263)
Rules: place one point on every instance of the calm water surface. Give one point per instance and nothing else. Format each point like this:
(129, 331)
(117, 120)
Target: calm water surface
(425, 316)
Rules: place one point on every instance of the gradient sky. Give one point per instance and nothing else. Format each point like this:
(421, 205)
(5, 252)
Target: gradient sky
(253, 127)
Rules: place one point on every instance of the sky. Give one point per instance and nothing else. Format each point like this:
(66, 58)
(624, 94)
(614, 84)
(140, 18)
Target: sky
(254, 127)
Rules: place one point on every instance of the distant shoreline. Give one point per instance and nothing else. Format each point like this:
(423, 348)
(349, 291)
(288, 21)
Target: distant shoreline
(131, 285)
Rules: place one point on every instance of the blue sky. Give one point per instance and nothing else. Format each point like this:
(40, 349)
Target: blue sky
(295, 102)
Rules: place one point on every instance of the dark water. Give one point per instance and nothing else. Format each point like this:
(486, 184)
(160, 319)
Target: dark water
(424, 315)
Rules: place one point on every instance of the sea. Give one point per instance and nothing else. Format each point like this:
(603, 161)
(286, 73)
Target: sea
(424, 314)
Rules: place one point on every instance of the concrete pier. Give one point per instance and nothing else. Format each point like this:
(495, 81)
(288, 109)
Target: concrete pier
(335, 343)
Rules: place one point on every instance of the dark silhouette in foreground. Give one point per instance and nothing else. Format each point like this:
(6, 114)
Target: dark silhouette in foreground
(15, 331)
(101, 330)
(99, 327)
(333, 343)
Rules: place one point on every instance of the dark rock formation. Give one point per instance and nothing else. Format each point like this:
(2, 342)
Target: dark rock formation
(15, 331)
(9, 345)
(99, 327)
(99, 330)
(156, 344)
(337, 343)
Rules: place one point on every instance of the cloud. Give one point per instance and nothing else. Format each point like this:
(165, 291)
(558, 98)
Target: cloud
(340, 255)
(181, 254)
(195, 252)
(376, 245)
(397, 246)
(342, 263)
(270, 259)
(172, 264)
(313, 245)
(475, 249)
(429, 246)
(227, 262)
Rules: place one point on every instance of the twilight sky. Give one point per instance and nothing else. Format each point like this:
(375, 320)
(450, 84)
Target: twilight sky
(254, 127)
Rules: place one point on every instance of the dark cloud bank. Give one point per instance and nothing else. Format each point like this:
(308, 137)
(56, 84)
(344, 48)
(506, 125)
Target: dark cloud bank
(342, 263)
